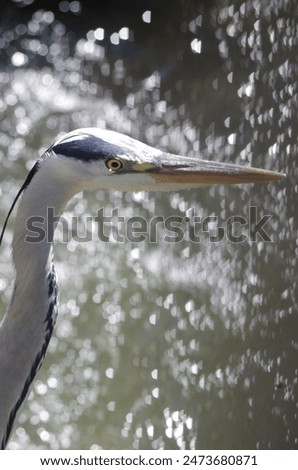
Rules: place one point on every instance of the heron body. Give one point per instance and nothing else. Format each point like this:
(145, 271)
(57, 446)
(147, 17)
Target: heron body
(84, 159)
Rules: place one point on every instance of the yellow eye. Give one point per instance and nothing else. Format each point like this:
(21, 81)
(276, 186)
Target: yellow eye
(114, 164)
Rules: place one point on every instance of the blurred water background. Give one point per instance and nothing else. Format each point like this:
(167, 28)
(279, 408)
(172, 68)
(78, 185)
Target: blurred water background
(162, 345)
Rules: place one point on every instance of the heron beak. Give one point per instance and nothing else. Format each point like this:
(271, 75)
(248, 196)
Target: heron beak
(169, 169)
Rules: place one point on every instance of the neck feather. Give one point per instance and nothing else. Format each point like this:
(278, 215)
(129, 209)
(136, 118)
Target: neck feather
(27, 326)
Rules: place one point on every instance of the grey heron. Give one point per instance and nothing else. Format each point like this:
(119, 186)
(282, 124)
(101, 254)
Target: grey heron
(84, 159)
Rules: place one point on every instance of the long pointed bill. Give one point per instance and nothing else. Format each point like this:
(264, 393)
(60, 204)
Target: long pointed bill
(169, 169)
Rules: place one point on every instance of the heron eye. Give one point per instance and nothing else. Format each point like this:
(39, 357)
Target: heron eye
(114, 164)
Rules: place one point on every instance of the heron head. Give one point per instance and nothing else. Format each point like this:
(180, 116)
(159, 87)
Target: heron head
(98, 158)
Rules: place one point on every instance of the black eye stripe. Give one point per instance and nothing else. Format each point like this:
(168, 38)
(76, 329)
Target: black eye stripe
(87, 149)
